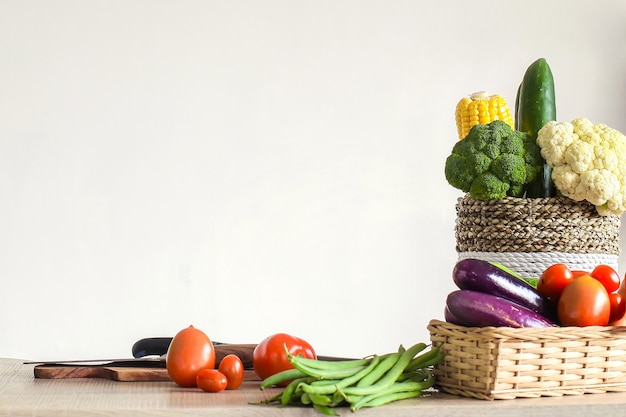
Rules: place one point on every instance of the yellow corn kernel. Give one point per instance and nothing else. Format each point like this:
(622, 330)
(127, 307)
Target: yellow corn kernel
(480, 108)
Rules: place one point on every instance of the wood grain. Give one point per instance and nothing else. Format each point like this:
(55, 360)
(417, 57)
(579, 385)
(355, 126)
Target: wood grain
(244, 351)
(23, 395)
(113, 372)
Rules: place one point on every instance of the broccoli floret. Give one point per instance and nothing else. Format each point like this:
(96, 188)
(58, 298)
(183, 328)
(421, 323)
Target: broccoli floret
(532, 158)
(516, 190)
(479, 163)
(458, 172)
(514, 143)
(493, 161)
(509, 168)
(499, 129)
(487, 185)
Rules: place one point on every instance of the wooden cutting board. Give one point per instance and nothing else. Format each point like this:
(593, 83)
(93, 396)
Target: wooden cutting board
(139, 370)
(107, 371)
(113, 371)
(127, 372)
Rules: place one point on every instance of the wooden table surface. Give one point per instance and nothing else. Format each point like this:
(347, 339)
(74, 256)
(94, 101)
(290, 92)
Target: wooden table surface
(23, 395)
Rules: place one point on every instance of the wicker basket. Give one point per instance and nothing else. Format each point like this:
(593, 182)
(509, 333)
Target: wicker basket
(530, 234)
(505, 363)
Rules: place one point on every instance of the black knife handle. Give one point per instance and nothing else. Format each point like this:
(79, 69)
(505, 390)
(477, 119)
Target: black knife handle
(151, 346)
(154, 346)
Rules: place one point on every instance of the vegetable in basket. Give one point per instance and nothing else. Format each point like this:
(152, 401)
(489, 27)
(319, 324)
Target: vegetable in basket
(487, 277)
(535, 105)
(481, 309)
(588, 162)
(493, 161)
(480, 108)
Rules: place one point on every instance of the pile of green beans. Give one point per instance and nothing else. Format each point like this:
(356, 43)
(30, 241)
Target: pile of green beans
(356, 383)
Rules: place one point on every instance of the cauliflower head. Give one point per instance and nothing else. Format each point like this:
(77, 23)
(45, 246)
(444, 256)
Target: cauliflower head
(588, 162)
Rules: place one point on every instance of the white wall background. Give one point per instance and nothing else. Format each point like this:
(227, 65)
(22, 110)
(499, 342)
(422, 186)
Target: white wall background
(251, 167)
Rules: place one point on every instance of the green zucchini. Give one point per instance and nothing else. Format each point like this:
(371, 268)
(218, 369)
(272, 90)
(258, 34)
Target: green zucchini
(535, 105)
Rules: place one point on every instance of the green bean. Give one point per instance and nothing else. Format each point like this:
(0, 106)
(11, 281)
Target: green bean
(427, 380)
(424, 360)
(325, 382)
(284, 376)
(349, 380)
(433, 361)
(320, 399)
(275, 398)
(368, 382)
(394, 388)
(305, 399)
(324, 409)
(338, 398)
(386, 399)
(385, 365)
(418, 375)
(290, 390)
(319, 364)
(391, 376)
(328, 373)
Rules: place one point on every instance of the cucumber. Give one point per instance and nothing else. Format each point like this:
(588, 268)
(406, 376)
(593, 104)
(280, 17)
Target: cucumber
(535, 105)
(536, 99)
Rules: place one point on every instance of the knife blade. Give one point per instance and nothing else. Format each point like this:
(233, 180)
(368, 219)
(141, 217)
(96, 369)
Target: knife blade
(148, 362)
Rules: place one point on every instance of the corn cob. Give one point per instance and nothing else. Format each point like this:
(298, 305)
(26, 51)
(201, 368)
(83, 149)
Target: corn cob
(479, 108)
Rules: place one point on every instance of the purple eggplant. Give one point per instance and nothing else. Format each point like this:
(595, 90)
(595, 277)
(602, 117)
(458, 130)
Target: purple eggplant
(483, 276)
(478, 309)
(451, 318)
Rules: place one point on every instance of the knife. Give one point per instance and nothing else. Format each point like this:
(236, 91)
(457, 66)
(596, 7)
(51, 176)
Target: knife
(159, 345)
(151, 352)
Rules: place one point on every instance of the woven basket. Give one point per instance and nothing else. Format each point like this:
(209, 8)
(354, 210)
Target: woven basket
(530, 234)
(505, 363)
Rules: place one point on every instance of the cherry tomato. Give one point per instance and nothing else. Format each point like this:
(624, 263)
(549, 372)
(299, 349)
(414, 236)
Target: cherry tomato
(607, 276)
(269, 356)
(211, 380)
(554, 280)
(618, 307)
(190, 351)
(232, 367)
(584, 302)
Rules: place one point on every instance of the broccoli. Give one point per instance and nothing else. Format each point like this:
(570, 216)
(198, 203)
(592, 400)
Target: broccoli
(488, 185)
(493, 161)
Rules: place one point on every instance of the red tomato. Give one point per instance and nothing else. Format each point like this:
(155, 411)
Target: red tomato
(232, 367)
(189, 352)
(211, 380)
(621, 291)
(618, 307)
(269, 356)
(607, 276)
(584, 302)
(579, 272)
(554, 280)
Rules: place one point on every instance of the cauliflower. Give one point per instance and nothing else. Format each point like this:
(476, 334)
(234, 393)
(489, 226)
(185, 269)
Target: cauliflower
(588, 162)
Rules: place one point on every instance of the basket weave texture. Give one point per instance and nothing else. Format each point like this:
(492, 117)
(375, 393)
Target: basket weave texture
(505, 363)
(555, 224)
(530, 234)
